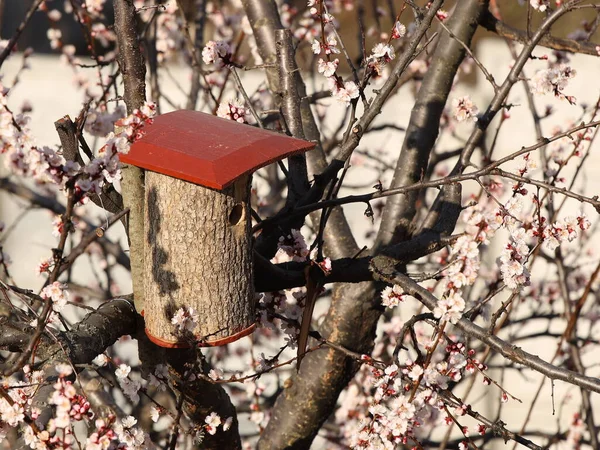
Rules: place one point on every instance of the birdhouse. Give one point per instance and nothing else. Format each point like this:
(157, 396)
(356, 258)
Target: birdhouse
(198, 243)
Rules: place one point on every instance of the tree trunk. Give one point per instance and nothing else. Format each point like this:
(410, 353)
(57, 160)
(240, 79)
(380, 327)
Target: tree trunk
(198, 254)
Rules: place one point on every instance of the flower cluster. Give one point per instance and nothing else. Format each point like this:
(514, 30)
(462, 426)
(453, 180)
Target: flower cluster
(69, 407)
(233, 110)
(327, 68)
(565, 150)
(393, 414)
(291, 248)
(553, 80)
(46, 165)
(513, 259)
(131, 127)
(308, 26)
(287, 304)
(464, 109)
(103, 36)
(329, 46)
(130, 435)
(23, 157)
(576, 432)
(380, 55)
(54, 35)
(399, 404)
(68, 404)
(344, 92)
(392, 296)
(213, 421)
(103, 435)
(464, 256)
(527, 164)
(129, 385)
(169, 36)
(563, 230)
(450, 307)
(58, 293)
(217, 53)
(94, 7)
(100, 122)
(539, 5)
(106, 168)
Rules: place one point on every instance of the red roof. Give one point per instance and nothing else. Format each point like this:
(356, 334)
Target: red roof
(208, 150)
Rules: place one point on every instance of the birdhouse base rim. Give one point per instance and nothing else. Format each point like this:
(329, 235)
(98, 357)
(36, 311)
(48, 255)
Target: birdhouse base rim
(212, 343)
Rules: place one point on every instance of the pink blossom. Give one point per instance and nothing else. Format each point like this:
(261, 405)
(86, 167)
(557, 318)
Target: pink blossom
(217, 53)
(392, 296)
(399, 31)
(464, 109)
(233, 110)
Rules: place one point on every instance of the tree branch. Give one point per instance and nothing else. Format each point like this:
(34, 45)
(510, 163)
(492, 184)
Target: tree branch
(422, 130)
(490, 23)
(339, 242)
(512, 352)
(133, 69)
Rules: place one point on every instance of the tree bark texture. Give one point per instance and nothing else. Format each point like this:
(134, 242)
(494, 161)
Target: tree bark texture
(133, 68)
(422, 131)
(197, 254)
(264, 19)
(351, 322)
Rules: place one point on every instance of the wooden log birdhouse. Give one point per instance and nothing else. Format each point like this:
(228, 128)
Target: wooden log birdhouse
(198, 243)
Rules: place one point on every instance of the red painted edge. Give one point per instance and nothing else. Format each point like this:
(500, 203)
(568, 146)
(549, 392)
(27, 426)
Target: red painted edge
(229, 339)
(214, 343)
(166, 344)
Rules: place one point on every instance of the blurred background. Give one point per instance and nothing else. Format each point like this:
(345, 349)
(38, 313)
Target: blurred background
(48, 86)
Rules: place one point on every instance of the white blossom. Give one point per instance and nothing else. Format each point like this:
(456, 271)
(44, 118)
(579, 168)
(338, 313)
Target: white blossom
(122, 371)
(215, 52)
(57, 293)
(212, 422)
(185, 319)
(539, 5)
(392, 296)
(327, 68)
(464, 109)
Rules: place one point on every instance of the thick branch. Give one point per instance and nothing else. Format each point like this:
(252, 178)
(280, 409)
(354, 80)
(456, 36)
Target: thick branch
(109, 199)
(274, 277)
(290, 107)
(99, 330)
(350, 323)
(490, 23)
(424, 124)
(339, 242)
(131, 64)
